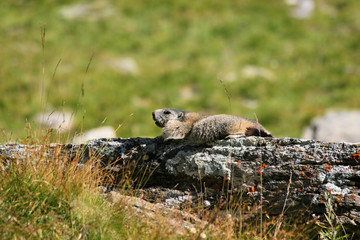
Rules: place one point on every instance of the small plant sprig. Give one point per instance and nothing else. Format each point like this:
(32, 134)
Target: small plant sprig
(332, 229)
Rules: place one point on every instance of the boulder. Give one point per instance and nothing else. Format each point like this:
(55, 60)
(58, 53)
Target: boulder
(301, 9)
(91, 11)
(335, 126)
(61, 121)
(100, 132)
(287, 174)
(125, 66)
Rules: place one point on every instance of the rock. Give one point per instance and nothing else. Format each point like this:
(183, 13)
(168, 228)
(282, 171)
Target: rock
(287, 173)
(90, 11)
(75, 11)
(251, 71)
(61, 121)
(301, 9)
(250, 103)
(179, 220)
(125, 66)
(335, 126)
(101, 132)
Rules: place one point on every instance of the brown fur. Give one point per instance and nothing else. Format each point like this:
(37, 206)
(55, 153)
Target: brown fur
(195, 127)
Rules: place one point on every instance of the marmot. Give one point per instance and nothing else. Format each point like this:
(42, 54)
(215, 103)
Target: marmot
(201, 128)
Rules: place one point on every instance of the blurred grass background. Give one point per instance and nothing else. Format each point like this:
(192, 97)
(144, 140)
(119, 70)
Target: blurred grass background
(283, 69)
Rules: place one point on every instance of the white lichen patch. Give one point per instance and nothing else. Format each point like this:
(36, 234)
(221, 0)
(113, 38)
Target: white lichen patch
(321, 177)
(198, 165)
(335, 190)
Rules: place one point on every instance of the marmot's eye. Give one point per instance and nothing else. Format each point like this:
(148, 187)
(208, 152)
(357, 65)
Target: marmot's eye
(167, 112)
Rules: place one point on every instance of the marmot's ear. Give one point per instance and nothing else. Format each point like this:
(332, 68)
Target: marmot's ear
(180, 114)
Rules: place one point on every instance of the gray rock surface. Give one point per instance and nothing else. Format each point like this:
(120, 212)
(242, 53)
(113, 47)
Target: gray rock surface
(91, 11)
(95, 133)
(60, 121)
(125, 66)
(296, 173)
(301, 9)
(335, 125)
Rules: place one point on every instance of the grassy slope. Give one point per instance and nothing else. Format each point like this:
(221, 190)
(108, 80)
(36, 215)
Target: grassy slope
(181, 47)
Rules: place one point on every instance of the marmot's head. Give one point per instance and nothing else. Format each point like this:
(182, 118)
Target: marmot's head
(162, 116)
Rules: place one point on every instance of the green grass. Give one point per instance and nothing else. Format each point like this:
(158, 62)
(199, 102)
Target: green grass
(181, 48)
